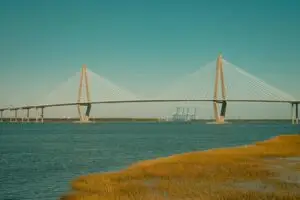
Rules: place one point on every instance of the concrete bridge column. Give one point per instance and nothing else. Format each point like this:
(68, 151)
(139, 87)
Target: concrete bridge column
(87, 112)
(36, 115)
(223, 109)
(1, 115)
(10, 115)
(16, 115)
(42, 115)
(27, 115)
(292, 112)
(22, 118)
(297, 114)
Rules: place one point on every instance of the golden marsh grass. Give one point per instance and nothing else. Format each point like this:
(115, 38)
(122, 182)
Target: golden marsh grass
(245, 172)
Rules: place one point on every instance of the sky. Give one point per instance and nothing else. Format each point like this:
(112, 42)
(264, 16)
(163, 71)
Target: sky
(143, 46)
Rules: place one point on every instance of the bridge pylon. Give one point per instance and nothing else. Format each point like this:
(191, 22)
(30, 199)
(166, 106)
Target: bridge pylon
(295, 115)
(84, 83)
(219, 118)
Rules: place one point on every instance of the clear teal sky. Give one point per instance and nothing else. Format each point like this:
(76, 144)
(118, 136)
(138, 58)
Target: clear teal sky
(144, 44)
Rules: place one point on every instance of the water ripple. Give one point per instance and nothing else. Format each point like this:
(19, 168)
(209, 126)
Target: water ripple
(37, 161)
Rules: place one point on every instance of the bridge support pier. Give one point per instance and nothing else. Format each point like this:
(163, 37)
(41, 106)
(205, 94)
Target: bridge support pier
(219, 119)
(295, 114)
(292, 113)
(27, 114)
(84, 118)
(10, 115)
(22, 118)
(223, 111)
(16, 115)
(42, 115)
(36, 115)
(1, 115)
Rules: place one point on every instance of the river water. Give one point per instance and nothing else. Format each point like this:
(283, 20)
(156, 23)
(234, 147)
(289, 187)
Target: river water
(38, 161)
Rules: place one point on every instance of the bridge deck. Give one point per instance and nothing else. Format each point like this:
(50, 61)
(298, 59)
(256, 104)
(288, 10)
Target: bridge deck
(150, 101)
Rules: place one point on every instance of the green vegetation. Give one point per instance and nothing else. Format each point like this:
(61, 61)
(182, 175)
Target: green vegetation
(253, 172)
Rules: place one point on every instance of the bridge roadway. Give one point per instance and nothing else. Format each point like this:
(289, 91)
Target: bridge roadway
(149, 101)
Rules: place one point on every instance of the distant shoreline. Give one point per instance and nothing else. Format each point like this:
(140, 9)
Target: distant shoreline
(99, 120)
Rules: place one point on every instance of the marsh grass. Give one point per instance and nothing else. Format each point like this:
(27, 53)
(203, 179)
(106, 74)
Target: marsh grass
(297, 167)
(245, 172)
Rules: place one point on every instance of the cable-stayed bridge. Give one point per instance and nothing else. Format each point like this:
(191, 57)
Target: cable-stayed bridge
(235, 85)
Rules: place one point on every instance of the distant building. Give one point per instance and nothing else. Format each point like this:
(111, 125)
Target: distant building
(183, 114)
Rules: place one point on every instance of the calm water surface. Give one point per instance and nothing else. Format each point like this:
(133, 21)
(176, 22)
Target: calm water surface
(37, 161)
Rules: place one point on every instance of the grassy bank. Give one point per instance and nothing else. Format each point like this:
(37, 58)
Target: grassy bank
(264, 170)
